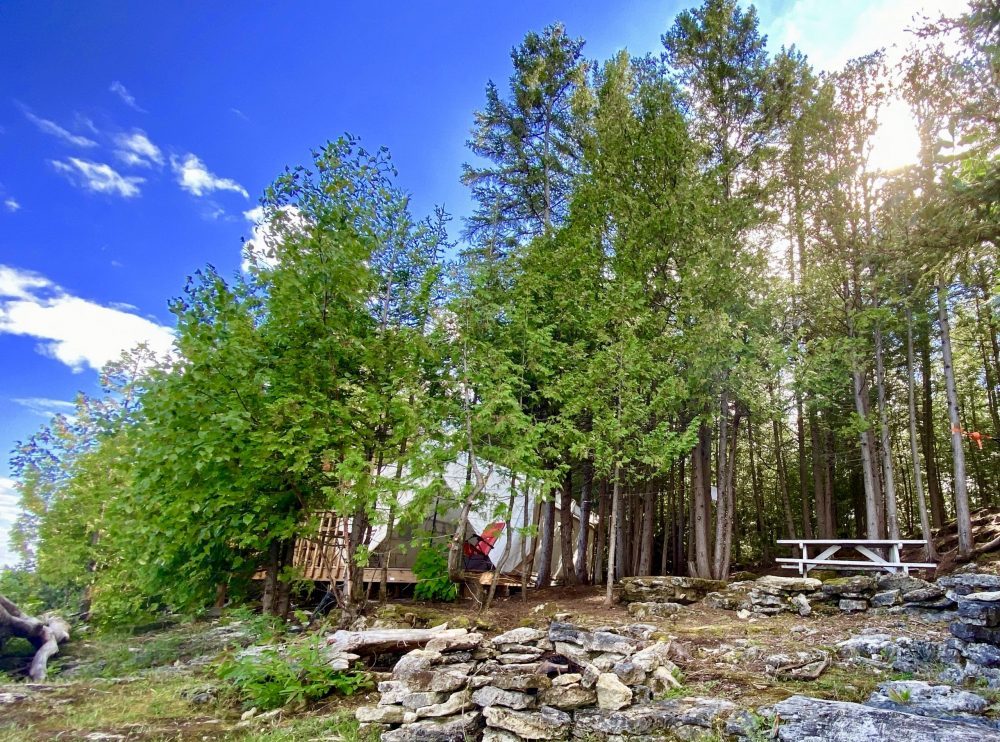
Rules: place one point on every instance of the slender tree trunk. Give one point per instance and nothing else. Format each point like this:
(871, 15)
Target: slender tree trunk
(872, 505)
(613, 547)
(682, 512)
(701, 495)
(547, 532)
(824, 527)
(758, 498)
(930, 552)
(962, 515)
(723, 515)
(648, 510)
(891, 510)
(800, 436)
(583, 537)
(781, 478)
(938, 514)
(508, 516)
(568, 573)
(602, 530)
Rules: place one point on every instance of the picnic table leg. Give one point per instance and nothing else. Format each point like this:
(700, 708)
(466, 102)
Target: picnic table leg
(894, 554)
(803, 567)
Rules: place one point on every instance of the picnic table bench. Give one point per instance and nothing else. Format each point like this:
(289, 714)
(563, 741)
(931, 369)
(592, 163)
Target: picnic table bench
(863, 546)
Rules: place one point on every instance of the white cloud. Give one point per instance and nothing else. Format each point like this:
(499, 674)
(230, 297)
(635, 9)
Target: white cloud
(53, 129)
(11, 204)
(8, 514)
(831, 33)
(136, 150)
(46, 407)
(75, 331)
(122, 92)
(194, 177)
(98, 177)
(266, 233)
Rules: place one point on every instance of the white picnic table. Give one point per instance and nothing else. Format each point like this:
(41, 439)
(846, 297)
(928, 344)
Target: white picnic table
(866, 547)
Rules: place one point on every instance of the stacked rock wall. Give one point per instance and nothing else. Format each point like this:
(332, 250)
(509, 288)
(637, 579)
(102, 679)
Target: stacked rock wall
(530, 683)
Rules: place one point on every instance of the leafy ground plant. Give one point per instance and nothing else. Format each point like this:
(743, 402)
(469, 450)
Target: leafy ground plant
(290, 676)
(431, 569)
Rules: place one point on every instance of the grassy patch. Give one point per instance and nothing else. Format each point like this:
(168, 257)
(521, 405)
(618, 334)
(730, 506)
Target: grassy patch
(340, 725)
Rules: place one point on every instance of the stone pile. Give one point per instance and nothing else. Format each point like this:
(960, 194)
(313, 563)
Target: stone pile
(538, 684)
(660, 597)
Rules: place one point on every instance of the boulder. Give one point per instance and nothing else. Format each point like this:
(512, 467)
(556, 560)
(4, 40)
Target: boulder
(965, 583)
(490, 695)
(692, 717)
(629, 673)
(801, 603)
(985, 655)
(904, 583)
(612, 693)
(668, 589)
(546, 723)
(449, 729)
(925, 699)
(560, 631)
(653, 656)
(777, 585)
(803, 719)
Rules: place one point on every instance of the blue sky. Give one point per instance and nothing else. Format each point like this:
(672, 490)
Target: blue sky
(134, 137)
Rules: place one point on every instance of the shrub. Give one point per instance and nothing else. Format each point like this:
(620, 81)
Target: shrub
(295, 675)
(431, 569)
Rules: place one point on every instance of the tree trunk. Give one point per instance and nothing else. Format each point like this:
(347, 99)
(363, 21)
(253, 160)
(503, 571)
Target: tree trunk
(938, 514)
(800, 437)
(891, 510)
(602, 530)
(758, 498)
(873, 522)
(781, 478)
(962, 516)
(701, 495)
(568, 572)
(547, 533)
(613, 546)
(648, 521)
(45, 636)
(508, 516)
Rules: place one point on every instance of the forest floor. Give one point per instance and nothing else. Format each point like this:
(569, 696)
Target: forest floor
(163, 684)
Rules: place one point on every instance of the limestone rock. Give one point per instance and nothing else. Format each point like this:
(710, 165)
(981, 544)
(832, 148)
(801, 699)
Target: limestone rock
(925, 595)
(965, 583)
(801, 602)
(560, 631)
(499, 735)
(925, 699)
(457, 702)
(568, 697)
(546, 723)
(887, 598)
(383, 715)
(607, 642)
(985, 655)
(692, 714)
(523, 635)
(464, 642)
(415, 700)
(392, 692)
(612, 693)
(859, 586)
(515, 677)
(490, 695)
(629, 673)
(653, 656)
(777, 585)
(668, 589)
(655, 610)
(850, 605)
(805, 719)
(449, 729)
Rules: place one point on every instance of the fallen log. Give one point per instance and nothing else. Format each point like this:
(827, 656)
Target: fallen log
(380, 641)
(45, 636)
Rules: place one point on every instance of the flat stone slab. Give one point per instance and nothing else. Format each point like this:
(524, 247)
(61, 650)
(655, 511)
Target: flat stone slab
(803, 719)
(659, 719)
(668, 589)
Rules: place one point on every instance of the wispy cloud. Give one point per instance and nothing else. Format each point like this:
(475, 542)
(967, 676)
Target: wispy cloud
(136, 150)
(53, 129)
(127, 98)
(98, 177)
(194, 177)
(239, 114)
(8, 514)
(44, 407)
(75, 331)
(11, 204)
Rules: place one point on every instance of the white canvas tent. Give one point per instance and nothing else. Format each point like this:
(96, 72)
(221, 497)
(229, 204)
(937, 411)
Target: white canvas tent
(322, 560)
